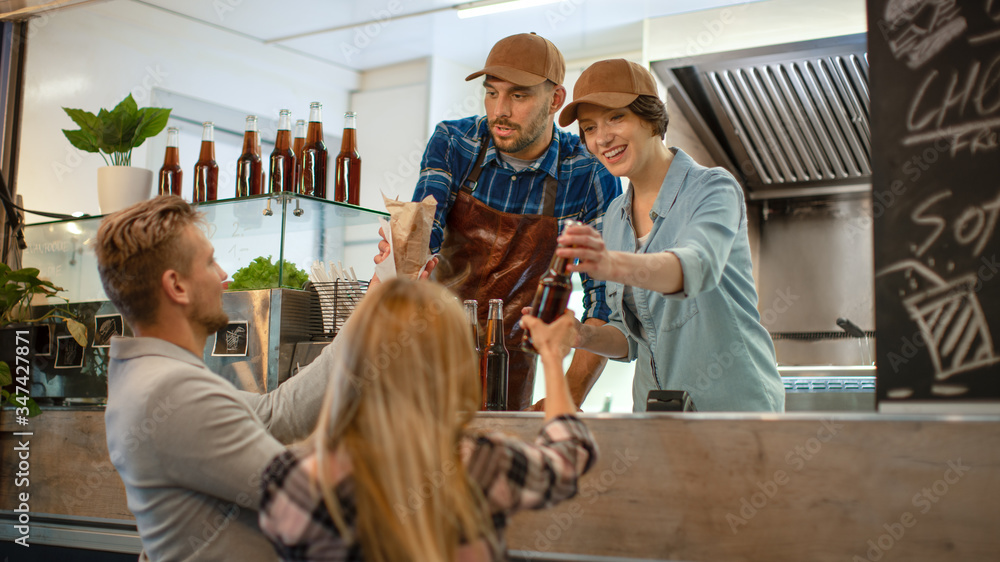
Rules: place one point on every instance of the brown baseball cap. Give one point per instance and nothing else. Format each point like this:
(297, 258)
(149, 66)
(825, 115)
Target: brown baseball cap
(609, 83)
(524, 59)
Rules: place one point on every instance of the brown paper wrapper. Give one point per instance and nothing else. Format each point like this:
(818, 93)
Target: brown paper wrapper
(411, 224)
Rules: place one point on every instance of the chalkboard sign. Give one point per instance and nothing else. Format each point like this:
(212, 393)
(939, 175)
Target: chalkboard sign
(935, 80)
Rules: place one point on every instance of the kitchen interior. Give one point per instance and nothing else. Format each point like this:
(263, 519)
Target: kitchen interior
(222, 61)
(400, 65)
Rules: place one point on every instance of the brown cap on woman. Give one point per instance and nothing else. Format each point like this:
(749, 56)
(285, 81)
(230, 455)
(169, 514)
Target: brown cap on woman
(609, 83)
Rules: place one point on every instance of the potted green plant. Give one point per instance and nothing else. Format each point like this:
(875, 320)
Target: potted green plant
(17, 290)
(113, 134)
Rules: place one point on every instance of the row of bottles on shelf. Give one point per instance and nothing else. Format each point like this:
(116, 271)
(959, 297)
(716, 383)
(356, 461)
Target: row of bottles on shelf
(298, 166)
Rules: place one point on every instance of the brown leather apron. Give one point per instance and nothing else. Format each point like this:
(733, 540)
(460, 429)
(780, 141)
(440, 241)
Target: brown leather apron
(488, 254)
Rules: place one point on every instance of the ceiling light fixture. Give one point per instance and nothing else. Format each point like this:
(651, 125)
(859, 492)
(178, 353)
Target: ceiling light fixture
(465, 10)
(485, 8)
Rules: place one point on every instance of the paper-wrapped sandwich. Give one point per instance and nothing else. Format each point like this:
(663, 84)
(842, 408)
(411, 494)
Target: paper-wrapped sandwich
(408, 231)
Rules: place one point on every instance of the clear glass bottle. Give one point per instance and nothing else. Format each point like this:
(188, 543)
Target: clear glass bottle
(472, 314)
(282, 167)
(495, 359)
(347, 174)
(249, 168)
(171, 174)
(206, 169)
(314, 155)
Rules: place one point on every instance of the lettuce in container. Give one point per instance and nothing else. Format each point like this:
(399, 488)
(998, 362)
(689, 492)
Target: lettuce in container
(262, 274)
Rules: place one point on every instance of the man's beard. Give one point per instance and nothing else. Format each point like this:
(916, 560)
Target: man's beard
(523, 137)
(211, 321)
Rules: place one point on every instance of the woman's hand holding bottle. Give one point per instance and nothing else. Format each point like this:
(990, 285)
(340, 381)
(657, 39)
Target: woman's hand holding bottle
(553, 342)
(585, 244)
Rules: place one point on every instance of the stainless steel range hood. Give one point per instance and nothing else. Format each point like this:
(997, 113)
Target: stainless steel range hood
(786, 120)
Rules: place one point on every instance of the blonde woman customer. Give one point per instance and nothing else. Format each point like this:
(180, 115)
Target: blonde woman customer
(392, 472)
(674, 253)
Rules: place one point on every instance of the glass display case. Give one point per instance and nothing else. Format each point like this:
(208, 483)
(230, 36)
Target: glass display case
(296, 228)
(272, 332)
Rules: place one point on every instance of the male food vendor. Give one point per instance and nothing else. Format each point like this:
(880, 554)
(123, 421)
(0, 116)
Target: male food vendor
(502, 183)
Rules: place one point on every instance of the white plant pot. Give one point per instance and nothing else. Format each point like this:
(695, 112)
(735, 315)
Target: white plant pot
(122, 186)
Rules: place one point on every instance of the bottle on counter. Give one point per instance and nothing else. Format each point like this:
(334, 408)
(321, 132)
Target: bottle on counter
(314, 155)
(552, 294)
(472, 314)
(347, 175)
(249, 168)
(297, 146)
(206, 169)
(495, 359)
(282, 168)
(171, 174)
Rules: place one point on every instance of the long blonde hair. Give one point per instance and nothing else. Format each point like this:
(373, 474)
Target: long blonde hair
(404, 390)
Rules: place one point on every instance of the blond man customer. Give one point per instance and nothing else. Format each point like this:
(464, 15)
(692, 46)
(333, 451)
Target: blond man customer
(189, 446)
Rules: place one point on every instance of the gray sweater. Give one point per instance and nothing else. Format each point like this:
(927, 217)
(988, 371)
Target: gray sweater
(191, 448)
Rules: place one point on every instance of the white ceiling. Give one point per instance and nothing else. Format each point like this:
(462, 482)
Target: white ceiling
(580, 28)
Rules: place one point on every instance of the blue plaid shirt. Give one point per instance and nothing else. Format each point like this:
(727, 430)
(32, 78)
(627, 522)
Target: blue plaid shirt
(586, 188)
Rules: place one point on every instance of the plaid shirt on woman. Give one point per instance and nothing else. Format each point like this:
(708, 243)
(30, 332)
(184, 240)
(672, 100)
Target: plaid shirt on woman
(511, 473)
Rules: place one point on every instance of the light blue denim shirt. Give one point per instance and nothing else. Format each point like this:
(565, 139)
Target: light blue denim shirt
(706, 339)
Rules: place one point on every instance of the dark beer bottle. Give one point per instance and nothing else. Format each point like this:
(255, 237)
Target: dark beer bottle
(495, 359)
(314, 155)
(171, 173)
(552, 294)
(206, 169)
(347, 175)
(472, 314)
(297, 146)
(282, 167)
(249, 169)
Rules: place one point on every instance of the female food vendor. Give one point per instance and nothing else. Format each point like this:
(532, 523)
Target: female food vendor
(674, 253)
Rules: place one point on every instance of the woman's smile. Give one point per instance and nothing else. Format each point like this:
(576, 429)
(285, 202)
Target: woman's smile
(614, 155)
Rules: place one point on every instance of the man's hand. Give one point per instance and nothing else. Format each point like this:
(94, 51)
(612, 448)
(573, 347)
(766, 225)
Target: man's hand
(383, 248)
(383, 254)
(431, 264)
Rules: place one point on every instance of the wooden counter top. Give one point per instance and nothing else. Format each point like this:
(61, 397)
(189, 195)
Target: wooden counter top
(796, 487)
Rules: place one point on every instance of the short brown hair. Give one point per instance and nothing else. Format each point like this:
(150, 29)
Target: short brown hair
(651, 110)
(136, 245)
